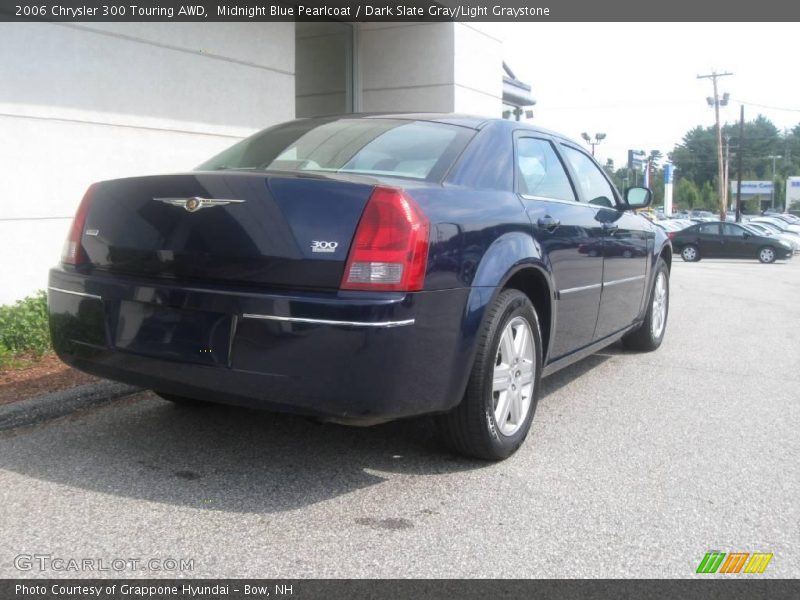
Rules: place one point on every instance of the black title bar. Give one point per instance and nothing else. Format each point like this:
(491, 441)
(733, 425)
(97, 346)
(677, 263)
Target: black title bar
(397, 10)
(713, 588)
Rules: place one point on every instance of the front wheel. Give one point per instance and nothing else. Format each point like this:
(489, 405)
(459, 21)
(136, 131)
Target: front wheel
(494, 416)
(649, 335)
(766, 255)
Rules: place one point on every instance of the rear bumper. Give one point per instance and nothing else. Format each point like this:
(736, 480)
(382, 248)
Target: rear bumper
(351, 356)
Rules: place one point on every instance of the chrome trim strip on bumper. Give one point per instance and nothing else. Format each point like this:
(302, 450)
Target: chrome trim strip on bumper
(74, 293)
(330, 321)
(626, 280)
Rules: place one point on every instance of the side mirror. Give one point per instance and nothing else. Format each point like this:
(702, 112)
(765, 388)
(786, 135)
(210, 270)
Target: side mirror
(638, 197)
(746, 235)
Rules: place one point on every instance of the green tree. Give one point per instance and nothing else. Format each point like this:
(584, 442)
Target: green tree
(655, 157)
(696, 156)
(709, 198)
(686, 194)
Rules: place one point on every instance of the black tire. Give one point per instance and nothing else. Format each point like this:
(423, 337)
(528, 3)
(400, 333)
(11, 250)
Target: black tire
(470, 428)
(643, 337)
(183, 400)
(693, 252)
(766, 255)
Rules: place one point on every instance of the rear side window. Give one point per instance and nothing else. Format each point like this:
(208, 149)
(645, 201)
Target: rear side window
(390, 147)
(593, 184)
(709, 229)
(540, 172)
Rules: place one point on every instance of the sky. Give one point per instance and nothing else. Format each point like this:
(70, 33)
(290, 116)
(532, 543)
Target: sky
(636, 82)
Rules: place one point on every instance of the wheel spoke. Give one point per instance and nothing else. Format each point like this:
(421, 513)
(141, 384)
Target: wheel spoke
(507, 346)
(503, 406)
(501, 375)
(516, 407)
(521, 342)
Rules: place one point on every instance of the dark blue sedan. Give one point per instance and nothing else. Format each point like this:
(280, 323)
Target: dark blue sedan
(362, 269)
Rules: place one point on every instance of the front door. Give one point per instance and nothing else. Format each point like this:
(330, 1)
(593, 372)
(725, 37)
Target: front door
(570, 237)
(735, 241)
(625, 246)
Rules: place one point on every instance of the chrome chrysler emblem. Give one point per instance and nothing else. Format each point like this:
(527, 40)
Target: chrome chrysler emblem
(195, 203)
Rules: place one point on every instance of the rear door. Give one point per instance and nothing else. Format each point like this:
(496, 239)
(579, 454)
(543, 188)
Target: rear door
(625, 245)
(570, 236)
(709, 239)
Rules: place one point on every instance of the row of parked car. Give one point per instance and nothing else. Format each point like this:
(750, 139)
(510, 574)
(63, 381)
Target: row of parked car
(768, 238)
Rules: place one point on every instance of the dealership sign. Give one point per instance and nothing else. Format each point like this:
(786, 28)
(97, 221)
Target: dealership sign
(636, 158)
(753, 188)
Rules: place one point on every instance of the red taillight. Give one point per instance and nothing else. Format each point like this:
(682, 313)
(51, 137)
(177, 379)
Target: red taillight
(670, 234)
(73, 252)
(390, 248)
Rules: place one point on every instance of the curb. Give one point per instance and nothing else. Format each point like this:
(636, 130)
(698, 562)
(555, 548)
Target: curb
(58, 404)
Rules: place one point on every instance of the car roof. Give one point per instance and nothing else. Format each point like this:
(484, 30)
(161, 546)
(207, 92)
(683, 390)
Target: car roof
(462, 120)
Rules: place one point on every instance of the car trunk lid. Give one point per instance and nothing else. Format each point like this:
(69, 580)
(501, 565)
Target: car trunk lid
(274, 229)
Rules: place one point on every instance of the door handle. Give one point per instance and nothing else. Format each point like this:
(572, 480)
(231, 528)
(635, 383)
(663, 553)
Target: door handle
(610, 227)
(548, 222)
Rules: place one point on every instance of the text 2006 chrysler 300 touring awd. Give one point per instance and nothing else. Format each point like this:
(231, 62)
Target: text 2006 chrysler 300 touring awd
(364, 268)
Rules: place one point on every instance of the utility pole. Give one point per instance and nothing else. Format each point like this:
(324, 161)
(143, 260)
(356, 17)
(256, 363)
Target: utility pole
(716, 102)
(772, 195)
(725, 171)
(739, 154)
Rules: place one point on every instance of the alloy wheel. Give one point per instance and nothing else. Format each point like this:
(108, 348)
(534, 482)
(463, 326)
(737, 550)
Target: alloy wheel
(512, 385)
(659, 318)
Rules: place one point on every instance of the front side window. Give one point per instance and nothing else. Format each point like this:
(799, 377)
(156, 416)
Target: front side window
(389, 147)
(593, 184)
(732, 230)
(540, 172)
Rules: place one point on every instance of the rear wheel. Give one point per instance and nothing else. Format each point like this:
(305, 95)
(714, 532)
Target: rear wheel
(690, 253)
(496, 412)
(182, 400)
(649, 335)
(766, 255)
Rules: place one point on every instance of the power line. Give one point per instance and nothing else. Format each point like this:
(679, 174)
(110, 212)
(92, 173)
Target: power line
(768, 106)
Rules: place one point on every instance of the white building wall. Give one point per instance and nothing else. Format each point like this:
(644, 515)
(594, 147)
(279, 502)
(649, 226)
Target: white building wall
(82, 103)
(478, 71)
(436, 67)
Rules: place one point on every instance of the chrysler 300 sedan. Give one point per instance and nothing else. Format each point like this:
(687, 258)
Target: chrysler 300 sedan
(364, 268)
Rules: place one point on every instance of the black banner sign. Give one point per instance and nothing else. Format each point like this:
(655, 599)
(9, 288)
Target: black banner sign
(319, 589)
(394, 10)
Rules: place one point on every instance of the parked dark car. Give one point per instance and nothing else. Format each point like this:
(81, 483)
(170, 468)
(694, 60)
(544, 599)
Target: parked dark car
(727, 240)
(364, 268)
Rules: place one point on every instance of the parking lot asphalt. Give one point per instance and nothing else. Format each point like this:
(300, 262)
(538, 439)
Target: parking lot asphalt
(636, 466)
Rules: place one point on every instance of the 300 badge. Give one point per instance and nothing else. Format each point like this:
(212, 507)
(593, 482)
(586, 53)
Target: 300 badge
(318, 246)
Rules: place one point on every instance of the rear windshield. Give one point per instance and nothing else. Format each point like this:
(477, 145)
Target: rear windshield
(388, 147)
